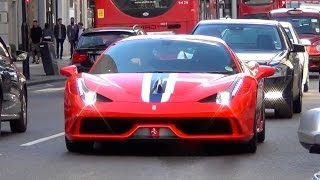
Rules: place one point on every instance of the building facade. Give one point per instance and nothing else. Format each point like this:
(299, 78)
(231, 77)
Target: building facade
(45, 11)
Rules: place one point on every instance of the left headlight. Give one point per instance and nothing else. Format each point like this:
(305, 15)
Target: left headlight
(88, 97)
(225, 97)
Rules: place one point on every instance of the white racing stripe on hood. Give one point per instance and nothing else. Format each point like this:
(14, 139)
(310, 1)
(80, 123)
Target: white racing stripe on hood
(146, 83)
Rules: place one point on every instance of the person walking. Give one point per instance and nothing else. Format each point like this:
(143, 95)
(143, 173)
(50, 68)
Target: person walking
(81, 29)
(60, 34)
(72, 32)
(47, 33)
(36, 38)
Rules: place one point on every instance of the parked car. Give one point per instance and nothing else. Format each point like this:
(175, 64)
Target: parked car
(93, 42)
(267, 43)
(13, 90)
(304, 57)
(151, 88)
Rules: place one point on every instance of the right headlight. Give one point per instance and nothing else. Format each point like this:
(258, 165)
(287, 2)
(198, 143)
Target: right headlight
(280, 70)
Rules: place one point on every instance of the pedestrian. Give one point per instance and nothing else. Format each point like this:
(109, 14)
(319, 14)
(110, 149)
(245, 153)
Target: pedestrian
(72, 31)
(60, 33)
(47, 33)
(81, 29)
(36, 38)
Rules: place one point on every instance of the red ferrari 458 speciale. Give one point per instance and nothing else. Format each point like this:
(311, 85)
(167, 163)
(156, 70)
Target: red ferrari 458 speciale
(161, 87)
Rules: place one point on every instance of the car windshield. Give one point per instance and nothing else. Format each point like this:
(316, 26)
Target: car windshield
(101, 39)
(303, 25)
(244, 36)
(157, 56)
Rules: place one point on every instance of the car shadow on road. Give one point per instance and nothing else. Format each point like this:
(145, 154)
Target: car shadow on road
(161, 149)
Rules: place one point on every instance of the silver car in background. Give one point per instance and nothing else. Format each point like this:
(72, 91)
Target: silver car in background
(303, 56)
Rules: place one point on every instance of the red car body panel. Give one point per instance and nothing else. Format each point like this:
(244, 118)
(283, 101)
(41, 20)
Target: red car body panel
(125, 90)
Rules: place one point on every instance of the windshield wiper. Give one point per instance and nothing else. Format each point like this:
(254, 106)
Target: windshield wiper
(167, 71)
(219, 72)
(95, 46)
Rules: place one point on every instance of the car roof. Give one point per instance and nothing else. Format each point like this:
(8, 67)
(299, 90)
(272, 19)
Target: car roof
(108, 29)
(240, 21)
(183, 37)
(284, 10)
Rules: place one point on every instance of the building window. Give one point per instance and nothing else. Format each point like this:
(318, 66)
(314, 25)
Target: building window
(71, 3)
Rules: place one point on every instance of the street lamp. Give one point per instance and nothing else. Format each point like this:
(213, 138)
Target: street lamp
(25, 39)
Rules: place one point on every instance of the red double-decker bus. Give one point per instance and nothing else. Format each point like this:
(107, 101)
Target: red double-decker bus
(177, 16)
(258, 9)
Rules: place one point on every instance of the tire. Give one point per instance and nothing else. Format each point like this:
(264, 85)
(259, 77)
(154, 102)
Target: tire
(78, 146)
(0, 111)
(305, 87)
(297, 104)
(287, 111)
(251, 146)
(262, 134)
(20, 125)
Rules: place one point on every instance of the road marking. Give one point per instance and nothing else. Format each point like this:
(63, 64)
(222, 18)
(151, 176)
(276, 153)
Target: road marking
(42, 139)
(50, 89)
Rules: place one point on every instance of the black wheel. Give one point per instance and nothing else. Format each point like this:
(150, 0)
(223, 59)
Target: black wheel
(78, 146)
(285, 111)
(251, 146)
(262, 134)
(305, 87)
(0, 112)
(297, 104)
(20, 125)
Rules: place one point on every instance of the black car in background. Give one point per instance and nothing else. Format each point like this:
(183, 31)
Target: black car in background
(93, 42)
(264, 42)
(13, 90)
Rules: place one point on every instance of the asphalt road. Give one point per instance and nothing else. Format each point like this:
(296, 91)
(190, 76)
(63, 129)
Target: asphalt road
(29, 156)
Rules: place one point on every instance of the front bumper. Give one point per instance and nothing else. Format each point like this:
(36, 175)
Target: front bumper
(184, 121)
(277, 91)
(314, 63)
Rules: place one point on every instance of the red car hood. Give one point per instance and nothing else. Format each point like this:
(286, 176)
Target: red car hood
(158, 87)
(312, 38)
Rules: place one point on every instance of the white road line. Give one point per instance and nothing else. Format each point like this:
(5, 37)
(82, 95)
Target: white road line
(49, 89)
(42, 139)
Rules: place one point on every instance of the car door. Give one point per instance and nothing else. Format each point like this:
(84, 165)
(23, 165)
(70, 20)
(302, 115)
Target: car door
(10, 84)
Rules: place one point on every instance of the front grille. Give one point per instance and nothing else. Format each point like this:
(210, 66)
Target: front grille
(189, 126)
(205, 126)
(104, 126)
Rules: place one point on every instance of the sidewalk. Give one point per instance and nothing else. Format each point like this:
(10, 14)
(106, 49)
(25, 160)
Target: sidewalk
(38, 76)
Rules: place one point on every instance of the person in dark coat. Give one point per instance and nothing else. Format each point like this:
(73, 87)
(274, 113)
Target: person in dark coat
(72, 32)
(60, 33)
(47, 33)
(35, 37)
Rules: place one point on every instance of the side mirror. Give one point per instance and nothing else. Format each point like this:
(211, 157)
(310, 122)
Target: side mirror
(305, 42)
(69, 70)
(253, 66)
(298, 48)
(21, 55)
(265, 71)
